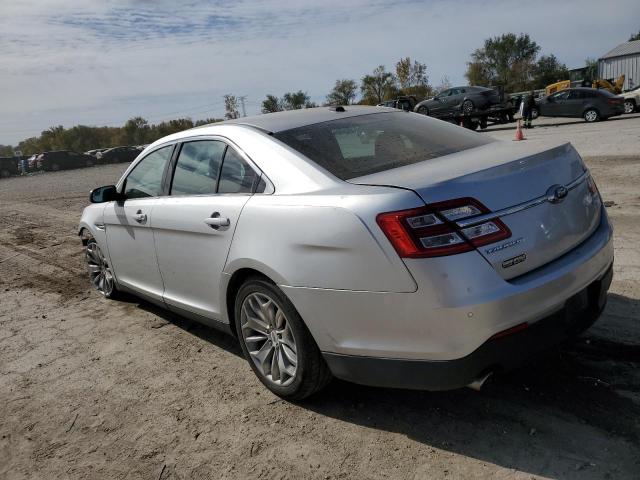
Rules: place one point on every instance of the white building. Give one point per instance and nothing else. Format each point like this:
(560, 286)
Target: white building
(625, 58)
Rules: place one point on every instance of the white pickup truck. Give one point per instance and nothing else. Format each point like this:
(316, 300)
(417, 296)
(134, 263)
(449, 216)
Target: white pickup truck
(631, 100)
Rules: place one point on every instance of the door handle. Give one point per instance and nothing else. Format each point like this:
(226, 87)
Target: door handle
(140, 217)
(216, 221)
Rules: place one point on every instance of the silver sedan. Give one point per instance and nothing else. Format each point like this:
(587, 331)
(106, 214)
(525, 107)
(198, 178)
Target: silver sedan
(381, 247)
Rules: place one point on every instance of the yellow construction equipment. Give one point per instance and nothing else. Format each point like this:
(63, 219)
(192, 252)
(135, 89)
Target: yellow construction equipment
(556, 87)
(614, 88)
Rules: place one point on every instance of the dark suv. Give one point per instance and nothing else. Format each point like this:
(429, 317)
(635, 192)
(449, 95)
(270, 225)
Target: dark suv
(589, 103)
(118, 154)
(8, 166)
(63, 160)
(459, 100)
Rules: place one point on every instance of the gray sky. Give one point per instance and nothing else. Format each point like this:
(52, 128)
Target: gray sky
(100, 62)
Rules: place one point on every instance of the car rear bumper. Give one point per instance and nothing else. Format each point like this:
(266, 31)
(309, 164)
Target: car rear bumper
(460, 304)
(498, 354)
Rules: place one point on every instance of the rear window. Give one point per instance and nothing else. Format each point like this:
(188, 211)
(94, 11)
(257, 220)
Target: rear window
(358, 146)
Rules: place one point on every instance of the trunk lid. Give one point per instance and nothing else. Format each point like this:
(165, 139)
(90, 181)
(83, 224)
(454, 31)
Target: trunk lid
(503, 175)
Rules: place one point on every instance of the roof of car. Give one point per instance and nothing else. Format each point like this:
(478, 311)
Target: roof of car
(280, 121)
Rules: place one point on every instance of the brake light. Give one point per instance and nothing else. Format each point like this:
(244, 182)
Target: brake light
(431, 231)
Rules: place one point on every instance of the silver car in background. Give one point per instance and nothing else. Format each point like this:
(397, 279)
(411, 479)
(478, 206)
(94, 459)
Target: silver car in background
(382, 247)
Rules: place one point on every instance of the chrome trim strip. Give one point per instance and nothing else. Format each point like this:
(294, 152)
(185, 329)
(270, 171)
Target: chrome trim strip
(469, 222)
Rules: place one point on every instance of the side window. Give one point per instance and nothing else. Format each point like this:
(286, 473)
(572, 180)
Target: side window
(197, 168)
(236, 176)
(145, 180)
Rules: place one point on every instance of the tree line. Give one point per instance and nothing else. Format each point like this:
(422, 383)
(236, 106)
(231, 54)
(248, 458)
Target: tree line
(511, 61)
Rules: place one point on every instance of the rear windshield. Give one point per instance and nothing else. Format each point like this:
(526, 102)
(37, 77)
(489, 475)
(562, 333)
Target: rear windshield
(357, 146)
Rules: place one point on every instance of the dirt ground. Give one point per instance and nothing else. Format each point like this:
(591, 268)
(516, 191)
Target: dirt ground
(92, 388)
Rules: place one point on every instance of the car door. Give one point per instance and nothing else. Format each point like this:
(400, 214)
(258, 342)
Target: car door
(128, 225)
(554, 107)
(439, 104)
(194, 225)
(572, 106)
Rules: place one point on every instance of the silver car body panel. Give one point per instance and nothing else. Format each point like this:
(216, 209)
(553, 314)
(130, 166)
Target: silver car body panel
(316, 237)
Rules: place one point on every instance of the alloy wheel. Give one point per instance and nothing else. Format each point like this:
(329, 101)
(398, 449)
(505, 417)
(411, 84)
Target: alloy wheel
(591, 116)
(267, 334)
(629, 107)
(467, 106)
(100, 272)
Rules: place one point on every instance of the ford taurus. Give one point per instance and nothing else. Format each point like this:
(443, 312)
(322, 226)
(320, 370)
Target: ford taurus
(378, 246)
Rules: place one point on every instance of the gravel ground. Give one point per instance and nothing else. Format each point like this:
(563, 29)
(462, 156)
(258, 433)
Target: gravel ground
(91, 388)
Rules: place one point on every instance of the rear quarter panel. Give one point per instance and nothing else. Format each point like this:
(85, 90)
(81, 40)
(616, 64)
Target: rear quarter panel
(322, 241)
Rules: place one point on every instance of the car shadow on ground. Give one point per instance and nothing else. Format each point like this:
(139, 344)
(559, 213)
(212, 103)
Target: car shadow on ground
(523, 420)
(540, 122)
(532, 420)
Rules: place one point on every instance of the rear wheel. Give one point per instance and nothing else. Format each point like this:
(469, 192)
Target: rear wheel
(467, 107)
(591, 115)
(276, 343)
(629, 106)
(100, 272)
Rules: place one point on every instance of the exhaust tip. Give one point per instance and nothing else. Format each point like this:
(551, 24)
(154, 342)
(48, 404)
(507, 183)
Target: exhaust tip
(479, 382)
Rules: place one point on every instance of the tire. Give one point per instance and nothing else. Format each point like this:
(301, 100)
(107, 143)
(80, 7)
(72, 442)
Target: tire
(534, 113)
(467, 107)
(4, 173)
(423, 110)
(629, 106)
(89, 163)
(99, 269)
(591, 115)
(271, 332)
(55, 167)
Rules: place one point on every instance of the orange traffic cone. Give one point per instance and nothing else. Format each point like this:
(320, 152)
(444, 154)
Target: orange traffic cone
(519, 134)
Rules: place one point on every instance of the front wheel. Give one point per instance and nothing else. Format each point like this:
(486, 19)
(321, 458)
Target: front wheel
(423, 110)
(467, 107)
(591, 116)
(629, 106)
(276, 343)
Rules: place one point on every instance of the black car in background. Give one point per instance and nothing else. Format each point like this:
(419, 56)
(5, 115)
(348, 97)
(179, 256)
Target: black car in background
(589, 103)
(8, 166)
(63, 160)
(118, 154)
(460, 100)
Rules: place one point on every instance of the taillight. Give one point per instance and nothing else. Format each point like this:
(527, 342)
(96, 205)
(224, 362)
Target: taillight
(431, 231)
(614, 101)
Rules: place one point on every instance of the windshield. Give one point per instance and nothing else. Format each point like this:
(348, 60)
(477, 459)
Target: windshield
(362, 145)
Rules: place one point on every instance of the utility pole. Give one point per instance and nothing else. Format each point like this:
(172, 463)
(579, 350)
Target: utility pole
(242, 99)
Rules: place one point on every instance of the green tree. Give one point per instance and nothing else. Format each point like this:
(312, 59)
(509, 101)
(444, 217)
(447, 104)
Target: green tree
(343, 92)
(508, 60)
(634, 37)
(591, 69)
(296, 100)
(271, 104)
(231, 107)
(549, 70)
(378, 86)
(412, 78)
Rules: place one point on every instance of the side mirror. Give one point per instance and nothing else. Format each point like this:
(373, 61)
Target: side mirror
(107, 193)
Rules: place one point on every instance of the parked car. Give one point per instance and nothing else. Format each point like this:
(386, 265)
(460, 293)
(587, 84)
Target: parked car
(427, 257)
(32, 162)
(631, 100)
(95, 151)
(8, 166)
(403, 102)
(589, 103)
(118, 154)
(456, 100)
(63, 160)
